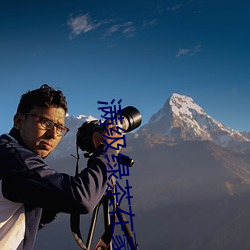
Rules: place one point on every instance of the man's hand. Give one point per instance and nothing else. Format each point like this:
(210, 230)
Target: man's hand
(113, 136)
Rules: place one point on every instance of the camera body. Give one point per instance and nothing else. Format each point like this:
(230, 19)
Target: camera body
(129, 120)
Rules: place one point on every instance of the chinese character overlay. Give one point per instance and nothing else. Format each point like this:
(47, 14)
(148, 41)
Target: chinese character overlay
(117, 168)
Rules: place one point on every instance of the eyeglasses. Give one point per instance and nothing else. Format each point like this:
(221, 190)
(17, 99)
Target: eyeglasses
(49, 124)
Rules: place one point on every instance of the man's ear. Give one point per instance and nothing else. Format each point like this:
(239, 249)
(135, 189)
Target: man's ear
(18, 119)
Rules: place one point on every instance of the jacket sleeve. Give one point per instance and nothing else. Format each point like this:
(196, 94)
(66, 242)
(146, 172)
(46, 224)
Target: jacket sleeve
(27, 179)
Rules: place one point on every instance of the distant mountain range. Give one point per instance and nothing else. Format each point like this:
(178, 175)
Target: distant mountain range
(190, 181)
(180, 119)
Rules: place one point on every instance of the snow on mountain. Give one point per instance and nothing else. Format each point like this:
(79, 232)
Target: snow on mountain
(182, 119)
(74, 122)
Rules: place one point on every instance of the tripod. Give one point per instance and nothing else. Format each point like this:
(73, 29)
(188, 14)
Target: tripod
(105, 242)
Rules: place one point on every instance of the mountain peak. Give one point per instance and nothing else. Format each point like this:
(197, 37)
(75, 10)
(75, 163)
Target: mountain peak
(182, 104)
(182, 119)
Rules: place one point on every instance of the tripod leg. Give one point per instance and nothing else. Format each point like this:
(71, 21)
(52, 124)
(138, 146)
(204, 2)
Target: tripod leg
(105, 242)
(106, 217)
(127, 231)
(93, 224)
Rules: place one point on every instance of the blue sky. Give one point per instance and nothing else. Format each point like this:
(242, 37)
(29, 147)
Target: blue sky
(137, 51)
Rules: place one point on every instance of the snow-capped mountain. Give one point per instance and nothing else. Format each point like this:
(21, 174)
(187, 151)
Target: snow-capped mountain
(182, 119)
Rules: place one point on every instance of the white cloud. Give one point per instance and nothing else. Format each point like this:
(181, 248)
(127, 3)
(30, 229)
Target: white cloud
(182, 52)
(189, 52)
(150, 23)
(127, 29)
(83, 24)
(174, 7)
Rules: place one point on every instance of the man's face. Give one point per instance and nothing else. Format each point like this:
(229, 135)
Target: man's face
(35, 137)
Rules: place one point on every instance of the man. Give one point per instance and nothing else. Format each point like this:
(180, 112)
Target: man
(28, 187)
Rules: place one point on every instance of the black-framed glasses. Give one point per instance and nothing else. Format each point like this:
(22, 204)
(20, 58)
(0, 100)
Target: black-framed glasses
(49, 124)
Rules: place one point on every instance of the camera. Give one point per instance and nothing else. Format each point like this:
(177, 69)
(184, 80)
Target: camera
(128, 120)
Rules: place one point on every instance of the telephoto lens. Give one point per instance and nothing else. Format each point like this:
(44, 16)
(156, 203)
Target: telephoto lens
(131, 119)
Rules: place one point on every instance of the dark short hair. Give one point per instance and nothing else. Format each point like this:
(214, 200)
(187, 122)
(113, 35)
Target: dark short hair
(45, 96)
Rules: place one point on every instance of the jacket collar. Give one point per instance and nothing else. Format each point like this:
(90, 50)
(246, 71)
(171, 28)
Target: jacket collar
(15, 134)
